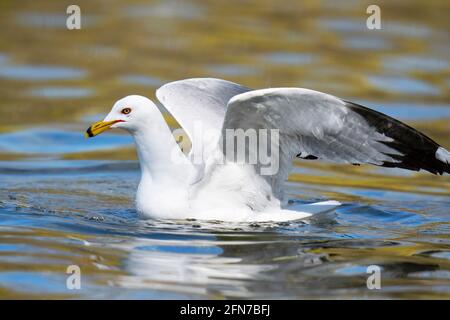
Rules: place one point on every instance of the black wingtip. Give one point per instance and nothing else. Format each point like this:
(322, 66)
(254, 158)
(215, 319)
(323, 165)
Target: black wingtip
(417, 150)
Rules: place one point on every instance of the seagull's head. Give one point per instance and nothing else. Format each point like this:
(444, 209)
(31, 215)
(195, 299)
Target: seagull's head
(130, 113)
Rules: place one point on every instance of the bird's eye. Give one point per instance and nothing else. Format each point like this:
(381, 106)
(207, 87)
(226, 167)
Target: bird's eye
(126, 110)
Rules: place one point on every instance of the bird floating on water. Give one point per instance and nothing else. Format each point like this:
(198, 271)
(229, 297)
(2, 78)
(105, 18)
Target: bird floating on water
(211, 183)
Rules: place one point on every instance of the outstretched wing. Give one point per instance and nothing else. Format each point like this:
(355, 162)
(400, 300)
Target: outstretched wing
(199, 105)
(317, 125)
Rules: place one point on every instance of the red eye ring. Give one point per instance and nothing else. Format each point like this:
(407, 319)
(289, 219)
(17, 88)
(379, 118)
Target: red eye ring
(126, 110)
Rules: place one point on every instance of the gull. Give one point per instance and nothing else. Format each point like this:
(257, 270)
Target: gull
(212, 183)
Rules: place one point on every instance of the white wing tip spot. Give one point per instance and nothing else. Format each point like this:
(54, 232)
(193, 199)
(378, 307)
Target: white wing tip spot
(443, 155)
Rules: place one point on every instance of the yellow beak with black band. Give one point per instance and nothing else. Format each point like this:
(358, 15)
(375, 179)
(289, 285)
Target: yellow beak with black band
(99, 127)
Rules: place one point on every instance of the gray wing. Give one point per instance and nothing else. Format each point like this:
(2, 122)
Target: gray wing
(315, 125)
(199, 105)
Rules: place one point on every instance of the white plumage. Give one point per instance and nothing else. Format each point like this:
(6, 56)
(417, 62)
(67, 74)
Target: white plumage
(210, 183)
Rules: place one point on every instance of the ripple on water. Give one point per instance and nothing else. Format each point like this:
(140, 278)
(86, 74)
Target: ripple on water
(166, 9)
(229, 70)
(3, 58)
(367, 43)
(51, 20)
(183, 249)
(398, 84)
(32, 282)
(352, 270)
(40, 72)
(358, 26)
(142, 80)
(61, 92)
(408, 111)
(406, 30)
(342, 25)
(289, 58)
(412, 63)
(44, 140)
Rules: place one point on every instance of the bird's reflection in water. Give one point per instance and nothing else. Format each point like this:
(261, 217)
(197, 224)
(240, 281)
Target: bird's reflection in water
(217, 264)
